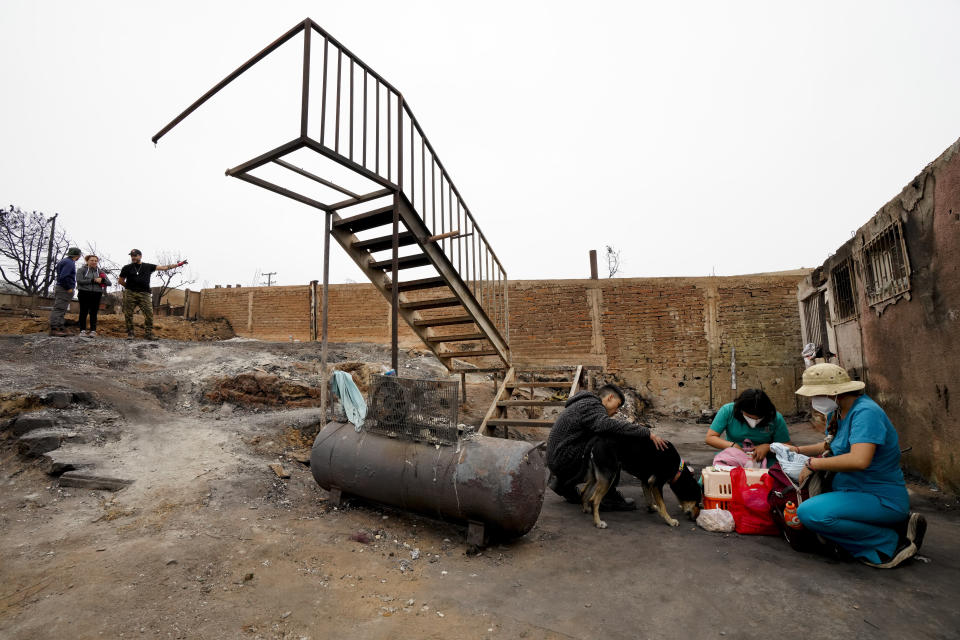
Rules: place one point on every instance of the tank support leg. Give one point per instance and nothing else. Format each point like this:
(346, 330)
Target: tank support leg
(336, 497)
(476, 533)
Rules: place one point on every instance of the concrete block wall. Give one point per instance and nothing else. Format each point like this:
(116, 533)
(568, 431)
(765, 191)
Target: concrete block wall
(671, 338)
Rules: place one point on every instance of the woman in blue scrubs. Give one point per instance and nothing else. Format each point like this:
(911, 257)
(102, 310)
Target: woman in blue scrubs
(868, 510)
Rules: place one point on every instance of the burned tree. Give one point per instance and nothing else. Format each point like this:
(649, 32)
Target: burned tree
(613, 260)
(29, 246)
(173, 278)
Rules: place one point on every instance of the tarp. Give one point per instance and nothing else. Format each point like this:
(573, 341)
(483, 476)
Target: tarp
(343, 386)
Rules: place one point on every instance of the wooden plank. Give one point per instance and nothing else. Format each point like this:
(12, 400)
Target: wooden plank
(467, 354)
(494, 409)
(442, 322)
(435, 303)
(531, 403)
(576, 382)
(519, 422)
(560, 384)
(456, 337)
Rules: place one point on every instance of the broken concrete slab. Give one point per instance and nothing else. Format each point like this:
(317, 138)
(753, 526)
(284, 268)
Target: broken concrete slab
(58, 399)
(279, 470)
(61, 461)
(300, 455)
(85, 397)
(40, 441)
(87, 480)
(26, 422)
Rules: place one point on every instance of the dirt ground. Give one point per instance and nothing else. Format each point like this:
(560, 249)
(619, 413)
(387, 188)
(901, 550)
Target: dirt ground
(208, 542)
(112, 325)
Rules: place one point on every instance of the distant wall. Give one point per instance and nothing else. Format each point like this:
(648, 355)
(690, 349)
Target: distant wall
(907, 347)
(671, 338)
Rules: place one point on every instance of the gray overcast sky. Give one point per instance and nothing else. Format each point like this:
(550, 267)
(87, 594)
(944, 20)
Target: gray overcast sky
(735, 136)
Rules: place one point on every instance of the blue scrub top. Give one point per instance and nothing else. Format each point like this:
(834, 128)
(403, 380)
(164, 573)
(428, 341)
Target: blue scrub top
(867, 423)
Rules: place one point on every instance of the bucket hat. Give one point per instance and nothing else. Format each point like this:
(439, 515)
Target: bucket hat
(827, 380)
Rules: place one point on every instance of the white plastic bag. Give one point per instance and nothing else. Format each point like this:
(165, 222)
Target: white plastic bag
(792, 463)
(715, 520)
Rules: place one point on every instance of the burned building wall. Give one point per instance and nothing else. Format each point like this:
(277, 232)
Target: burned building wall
(902, 333)
(671, 338)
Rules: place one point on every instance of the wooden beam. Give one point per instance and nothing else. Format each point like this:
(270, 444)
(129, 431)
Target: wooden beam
(494, 410)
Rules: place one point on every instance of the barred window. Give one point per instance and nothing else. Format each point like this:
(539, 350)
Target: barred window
(886, 268)
(845, 304)
(815, 319)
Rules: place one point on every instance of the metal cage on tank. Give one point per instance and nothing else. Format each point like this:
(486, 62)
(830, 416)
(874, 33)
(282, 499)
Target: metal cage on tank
(413, 409)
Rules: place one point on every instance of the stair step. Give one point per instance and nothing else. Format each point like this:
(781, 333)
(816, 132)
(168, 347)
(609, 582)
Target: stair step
(368, 220)
(436, 303)
(554, 385)
(531, 403)
(422, 283)
(403, 262)
(383, 243)
(456, 337)
(467, 354)
(443, 322)
(518, 422)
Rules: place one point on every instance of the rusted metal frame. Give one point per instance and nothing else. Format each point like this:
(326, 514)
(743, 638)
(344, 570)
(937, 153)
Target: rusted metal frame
(364, 136)
(351, 108)
(315, 178)
(351, 54)
(269, 186)
(305, 86)
(323, 91)
(389, 136)
(413, 170)
(473, 253)
(450, 212)
(395, 296)
(442, 210)
(270, 48)
(459, 244)
(269, 156)
(456, 284)
(324, 312)
(423, 178)
(336, 128)
(433, 194)
(367, 197)
(414, 122)
(400, 142)
(376, 166)
(506, 305)
(313, 145)
(495, 409)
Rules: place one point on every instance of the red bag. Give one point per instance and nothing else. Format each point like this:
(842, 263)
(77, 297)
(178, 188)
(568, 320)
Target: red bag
(751, 511)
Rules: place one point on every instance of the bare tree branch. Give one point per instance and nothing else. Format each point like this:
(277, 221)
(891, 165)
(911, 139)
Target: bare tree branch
(24, 242)
(613, 260)
(174, 278)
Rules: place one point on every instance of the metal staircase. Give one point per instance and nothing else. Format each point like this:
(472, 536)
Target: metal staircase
(389, 202)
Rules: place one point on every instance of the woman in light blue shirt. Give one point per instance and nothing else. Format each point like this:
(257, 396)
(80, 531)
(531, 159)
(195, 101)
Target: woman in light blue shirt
(867, 512)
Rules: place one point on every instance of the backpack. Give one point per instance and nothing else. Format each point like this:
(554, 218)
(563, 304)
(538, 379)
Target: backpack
(784, 490)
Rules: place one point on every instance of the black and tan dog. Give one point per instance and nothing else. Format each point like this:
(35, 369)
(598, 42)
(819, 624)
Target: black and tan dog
(654, 468)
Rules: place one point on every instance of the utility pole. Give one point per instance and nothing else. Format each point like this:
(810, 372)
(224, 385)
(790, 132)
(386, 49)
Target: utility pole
(269, 276)
(53, 230)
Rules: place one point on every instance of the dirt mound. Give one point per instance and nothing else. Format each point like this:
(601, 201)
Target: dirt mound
(263, 389)
(112, 325)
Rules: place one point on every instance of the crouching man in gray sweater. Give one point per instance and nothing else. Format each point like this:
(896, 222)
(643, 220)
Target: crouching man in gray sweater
(586, 416)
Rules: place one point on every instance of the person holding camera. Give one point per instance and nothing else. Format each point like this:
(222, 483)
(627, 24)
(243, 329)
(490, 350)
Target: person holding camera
(91, 283)
(135, 279)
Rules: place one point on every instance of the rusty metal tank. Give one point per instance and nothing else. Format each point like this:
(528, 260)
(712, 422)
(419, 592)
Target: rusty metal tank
(493, 481)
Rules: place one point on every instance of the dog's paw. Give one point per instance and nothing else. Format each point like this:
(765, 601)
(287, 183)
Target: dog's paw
(673, 523)
(601, 525)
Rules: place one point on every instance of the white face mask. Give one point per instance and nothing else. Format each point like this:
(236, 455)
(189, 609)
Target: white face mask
(752, 421)
(823, 404)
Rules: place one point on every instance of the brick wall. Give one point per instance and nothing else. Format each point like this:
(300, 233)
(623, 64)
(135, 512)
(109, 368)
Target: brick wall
(671, 338)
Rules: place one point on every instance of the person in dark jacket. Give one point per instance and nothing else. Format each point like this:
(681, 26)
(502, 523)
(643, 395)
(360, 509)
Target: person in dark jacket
(91, 283)
(587, 416)
(66, 281)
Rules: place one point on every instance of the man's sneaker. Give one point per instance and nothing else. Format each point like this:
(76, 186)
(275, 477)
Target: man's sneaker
(60, 333)
(904, 552)
(83, 332)
(615, 501)
(92, 334)
(916, 529)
